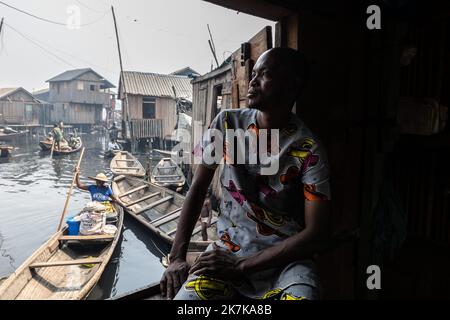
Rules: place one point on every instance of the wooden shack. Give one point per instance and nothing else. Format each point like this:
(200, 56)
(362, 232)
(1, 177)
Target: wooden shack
(226, 86)
(359, 81)
(149, 103)
(79, 96)
(19, 107)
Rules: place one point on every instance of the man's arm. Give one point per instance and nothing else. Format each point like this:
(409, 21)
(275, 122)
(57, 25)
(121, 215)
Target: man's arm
(177, 272)
(314, 238)
(79, 184)
(113, 197)
(303, 245)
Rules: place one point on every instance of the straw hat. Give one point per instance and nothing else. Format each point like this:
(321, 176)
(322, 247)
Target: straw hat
(100, 177)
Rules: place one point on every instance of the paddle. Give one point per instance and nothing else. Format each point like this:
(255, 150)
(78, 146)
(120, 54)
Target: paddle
(70, 190)
(53, 145)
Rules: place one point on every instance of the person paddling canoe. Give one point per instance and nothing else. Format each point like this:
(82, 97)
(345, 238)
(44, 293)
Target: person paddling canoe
(100, 191)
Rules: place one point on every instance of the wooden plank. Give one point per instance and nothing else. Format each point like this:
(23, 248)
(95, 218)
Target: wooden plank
(127, 160)
(167, 176)
(167, 219)
(142, 199)
(166, 215)
(65, 263)
(154, 204)
(133, 190)
(126, 168)
(93, 237)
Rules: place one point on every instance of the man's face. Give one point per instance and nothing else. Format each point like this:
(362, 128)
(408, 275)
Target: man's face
(266, 86)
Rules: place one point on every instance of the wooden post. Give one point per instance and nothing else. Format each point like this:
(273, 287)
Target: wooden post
(128, 132)
(1, 25)
(53, 147)
(70, 190)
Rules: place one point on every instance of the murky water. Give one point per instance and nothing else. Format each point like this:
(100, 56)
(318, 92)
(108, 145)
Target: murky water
(33, 189)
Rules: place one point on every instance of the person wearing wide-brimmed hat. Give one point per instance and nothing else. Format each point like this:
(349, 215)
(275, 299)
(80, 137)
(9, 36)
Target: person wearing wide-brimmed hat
(100, 191)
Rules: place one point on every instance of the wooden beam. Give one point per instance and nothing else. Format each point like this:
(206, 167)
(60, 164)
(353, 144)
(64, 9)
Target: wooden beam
(93, 237)
(142, 199)
(133, 190)
(263, 9)
(166, 215)
(167, 176)
(65, 263)
(126, 160)
(119, 178)
(167, 219)
(126, 168)
(154, 204)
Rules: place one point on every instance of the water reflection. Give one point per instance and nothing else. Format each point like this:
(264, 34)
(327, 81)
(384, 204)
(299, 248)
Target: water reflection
(33, 189)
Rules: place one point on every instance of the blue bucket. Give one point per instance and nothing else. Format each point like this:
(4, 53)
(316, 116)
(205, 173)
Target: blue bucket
(73, 227)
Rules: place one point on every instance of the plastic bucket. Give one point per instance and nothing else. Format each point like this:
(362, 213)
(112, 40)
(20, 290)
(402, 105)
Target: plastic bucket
(73, 226)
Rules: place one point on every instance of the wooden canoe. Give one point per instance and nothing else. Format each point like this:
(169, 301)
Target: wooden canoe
(158, 209)
(124, 163)
(166, 153)
(57, 270)
(69, 150)
(46, 145)
(167, 174)
(12, 136)
(110, 153)
(152, 291)
(5, 151)
(149, 292)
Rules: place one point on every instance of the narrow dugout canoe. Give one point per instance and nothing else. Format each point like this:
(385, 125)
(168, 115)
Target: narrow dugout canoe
(124, 163)
(152, 291)
(158, 209)
(167, 174)
(57, 269)
(46, 145)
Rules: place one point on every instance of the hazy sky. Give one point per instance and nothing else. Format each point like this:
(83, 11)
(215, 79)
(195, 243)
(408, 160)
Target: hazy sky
(158, 36)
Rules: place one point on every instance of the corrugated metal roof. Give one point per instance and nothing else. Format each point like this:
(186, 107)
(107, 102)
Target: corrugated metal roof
(157, 85)
(70, 74)
(73, 74)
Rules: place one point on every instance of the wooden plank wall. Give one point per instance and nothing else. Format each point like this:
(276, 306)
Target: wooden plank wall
(14, 112)
(166, 110)
(76, 113)
(146, 128)
(332, 107)
(261, 42)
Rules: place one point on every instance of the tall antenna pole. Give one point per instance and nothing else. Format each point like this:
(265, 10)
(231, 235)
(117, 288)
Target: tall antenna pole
(1, 25)
(122, 80)
(212, 46)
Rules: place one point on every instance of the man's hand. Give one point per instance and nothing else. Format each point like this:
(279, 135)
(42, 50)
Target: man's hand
(218, 263)
(173, 278)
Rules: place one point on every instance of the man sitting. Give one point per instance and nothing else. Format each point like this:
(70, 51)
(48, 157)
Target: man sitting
(268, 234)
(113, 145)
(100, 191)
